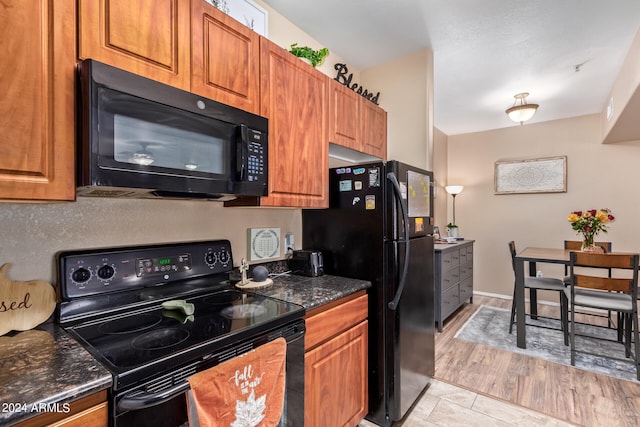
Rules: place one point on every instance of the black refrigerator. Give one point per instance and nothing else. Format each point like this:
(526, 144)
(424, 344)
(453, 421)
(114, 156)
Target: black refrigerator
(378, 228)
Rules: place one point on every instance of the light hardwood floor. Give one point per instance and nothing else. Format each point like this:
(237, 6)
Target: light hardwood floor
(573, 395)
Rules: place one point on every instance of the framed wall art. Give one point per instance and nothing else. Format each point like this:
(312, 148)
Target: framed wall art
(541, 175)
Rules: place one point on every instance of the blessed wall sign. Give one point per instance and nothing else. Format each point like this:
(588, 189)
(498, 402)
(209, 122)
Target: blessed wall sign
(345, 79)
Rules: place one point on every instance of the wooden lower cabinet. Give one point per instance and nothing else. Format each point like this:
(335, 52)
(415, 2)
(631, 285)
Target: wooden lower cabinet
(92, 410)
(336, 368)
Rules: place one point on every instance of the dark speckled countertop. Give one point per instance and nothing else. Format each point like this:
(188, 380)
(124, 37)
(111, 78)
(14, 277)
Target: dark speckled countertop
(44, 366)
(311, 292)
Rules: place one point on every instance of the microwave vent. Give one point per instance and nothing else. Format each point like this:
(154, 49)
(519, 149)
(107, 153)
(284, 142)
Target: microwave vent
(106, 192)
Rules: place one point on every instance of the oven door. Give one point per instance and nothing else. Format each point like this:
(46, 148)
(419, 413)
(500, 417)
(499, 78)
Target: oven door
(160, 402)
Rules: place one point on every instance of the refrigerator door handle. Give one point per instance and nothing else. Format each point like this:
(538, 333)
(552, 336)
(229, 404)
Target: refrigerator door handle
(405, 218)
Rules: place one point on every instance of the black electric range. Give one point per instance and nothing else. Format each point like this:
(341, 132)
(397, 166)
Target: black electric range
(120, 304)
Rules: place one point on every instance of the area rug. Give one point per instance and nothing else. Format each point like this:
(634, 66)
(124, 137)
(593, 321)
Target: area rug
(490, 326)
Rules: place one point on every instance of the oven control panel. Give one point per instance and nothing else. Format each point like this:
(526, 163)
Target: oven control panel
(101, 271)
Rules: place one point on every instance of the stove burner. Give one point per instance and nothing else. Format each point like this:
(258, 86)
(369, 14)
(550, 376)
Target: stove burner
(162, 338)
(222, 298)
(127, 325)
(243, 311)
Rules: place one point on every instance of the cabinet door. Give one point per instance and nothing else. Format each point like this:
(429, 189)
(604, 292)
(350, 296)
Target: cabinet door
(37, 108)
(225, 58)
(374, 129)
(294, 97)
(336, 387)
(344, 116)
(146, 37)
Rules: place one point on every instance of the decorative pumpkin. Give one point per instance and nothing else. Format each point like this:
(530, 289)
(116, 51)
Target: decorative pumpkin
(24, 305)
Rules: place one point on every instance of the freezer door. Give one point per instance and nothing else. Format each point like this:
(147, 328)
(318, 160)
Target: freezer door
(416, 187)
(413, 323)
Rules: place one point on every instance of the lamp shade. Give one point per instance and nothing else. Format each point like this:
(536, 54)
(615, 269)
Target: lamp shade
(454, 189)
(522, 111)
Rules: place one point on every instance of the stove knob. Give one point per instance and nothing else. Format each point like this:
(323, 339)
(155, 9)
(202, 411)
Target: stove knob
(224, 257)
(81, 275)
(106, 272)
(210, 258)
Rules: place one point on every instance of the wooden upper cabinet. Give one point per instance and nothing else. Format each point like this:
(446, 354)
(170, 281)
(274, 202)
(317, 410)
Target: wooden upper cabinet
(294, 98)
(356, 123)
(147, 37)
(37, 108)
(344, 116)
(225, 58)
(374, 129)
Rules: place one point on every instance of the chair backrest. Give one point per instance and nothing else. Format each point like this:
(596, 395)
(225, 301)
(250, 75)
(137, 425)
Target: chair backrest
(610, 261)
(512, 250)
(576, 245)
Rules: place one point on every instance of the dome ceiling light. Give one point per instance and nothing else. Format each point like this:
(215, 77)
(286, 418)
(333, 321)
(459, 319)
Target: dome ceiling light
(521, 111)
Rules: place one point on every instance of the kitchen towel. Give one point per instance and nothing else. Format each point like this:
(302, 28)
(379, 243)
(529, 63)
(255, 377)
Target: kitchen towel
(246, 391)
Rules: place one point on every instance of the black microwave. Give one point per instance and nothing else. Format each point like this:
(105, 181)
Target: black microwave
(141, 138)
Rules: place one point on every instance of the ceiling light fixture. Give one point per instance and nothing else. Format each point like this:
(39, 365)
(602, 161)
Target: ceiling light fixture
(521, 111)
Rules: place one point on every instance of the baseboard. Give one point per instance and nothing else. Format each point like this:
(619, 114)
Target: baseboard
(555, 304)
(510, 297)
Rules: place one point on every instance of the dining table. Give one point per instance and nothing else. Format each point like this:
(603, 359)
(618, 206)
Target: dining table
(532, 256)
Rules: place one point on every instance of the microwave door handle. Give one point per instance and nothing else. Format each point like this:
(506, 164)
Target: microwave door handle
(405, 218)
(242, 152)
(139, 400)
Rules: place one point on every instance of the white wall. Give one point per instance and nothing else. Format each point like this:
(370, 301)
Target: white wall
(599, 176)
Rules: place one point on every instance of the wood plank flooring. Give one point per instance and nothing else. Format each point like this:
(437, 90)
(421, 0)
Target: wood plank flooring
(569, 394)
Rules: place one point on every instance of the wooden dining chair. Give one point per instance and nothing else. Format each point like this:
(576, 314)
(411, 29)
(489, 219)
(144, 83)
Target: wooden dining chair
(534, 284)
(604, 293)
(576, 245)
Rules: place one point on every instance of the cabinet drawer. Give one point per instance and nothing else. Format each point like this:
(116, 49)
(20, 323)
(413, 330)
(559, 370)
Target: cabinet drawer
(466, 290)
(466, 271)
(450, 277)
(326, 324)
(469, 253)
(450, 301)
(450, 259)
(463, 256)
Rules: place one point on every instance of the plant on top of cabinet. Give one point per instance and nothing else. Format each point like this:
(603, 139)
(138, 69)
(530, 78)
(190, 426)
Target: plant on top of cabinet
(316, 57)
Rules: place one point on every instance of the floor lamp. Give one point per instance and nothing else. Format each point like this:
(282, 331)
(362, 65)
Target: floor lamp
(454, 190)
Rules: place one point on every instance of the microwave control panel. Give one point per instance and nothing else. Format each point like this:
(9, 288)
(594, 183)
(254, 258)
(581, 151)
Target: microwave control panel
(253, 156)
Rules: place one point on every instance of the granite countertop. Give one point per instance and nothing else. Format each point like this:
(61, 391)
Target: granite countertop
(44, 366)
(311, 292)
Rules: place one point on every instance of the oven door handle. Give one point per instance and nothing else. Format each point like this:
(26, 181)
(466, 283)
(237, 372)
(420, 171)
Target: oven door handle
(139, 400)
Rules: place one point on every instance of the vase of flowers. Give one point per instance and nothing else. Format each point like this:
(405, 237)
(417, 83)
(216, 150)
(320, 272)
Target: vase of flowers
(589, 224)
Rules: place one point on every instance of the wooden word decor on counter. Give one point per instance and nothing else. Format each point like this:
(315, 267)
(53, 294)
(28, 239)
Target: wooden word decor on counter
(24, 305)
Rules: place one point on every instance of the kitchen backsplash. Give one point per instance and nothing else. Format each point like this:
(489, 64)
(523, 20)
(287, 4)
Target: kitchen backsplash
(33, 233)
